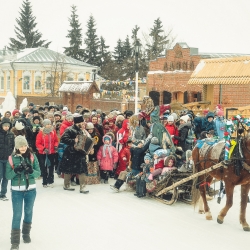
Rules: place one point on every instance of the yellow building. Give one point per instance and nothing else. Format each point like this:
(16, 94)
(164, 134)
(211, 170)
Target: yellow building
(39, 72)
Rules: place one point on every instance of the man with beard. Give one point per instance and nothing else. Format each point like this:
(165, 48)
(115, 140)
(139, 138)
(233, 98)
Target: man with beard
(73, 161)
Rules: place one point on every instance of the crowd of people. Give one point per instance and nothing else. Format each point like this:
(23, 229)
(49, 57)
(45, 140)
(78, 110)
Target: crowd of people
(42, 142)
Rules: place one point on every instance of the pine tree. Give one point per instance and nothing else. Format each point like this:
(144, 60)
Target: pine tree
(27, 36)
(91, 53)
(127, 50)
(158, 40)
(75, 35)
(118, 53)
(104, 53)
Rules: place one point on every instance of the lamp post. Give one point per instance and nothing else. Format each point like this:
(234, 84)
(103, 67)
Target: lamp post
(137, 50)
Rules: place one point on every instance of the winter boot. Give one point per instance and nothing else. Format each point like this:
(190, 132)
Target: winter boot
(138, 181)
(15, 239)
(117, 185)
(67, 183)
(82, 181)
(142, 189)
(26, 232)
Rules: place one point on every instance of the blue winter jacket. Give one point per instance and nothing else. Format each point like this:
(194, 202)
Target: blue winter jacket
(220, 127)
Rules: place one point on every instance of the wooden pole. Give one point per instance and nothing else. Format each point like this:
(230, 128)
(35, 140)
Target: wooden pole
(190, 178)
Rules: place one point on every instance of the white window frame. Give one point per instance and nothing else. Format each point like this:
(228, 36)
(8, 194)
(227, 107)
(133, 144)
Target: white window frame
(26, 74)
(38, 74)
(1, 81)
(47, 90)
(81, 77)
(8, 81)
(70, 76)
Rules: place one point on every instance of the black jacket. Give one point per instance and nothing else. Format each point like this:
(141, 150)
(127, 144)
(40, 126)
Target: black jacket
(183, 134)
(6, 140)
(137, 156)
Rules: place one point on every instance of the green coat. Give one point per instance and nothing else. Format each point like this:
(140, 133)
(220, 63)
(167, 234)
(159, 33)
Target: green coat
(20, 179)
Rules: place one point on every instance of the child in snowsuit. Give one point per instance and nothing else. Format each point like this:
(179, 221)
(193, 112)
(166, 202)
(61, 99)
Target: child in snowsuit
(107, 157)
(140, 180)
(169, 165)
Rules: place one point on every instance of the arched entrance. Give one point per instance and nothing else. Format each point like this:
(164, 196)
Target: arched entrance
(167, 97)
(155, 96)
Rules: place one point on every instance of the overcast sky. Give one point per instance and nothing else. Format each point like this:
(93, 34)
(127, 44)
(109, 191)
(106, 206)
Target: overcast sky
(220, 26)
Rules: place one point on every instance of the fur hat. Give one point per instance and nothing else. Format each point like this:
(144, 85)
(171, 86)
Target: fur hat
(26, 109)
(155, 140)
(36, 118)
(119, 118)
(175, 116)
(51, 107)
(89, 125)
(20, 141)
(168, 158)
(31, 104)
(46, 122)
(184, 118)
(78, 106)
(78, 118)
(111, 135)
(49, 115)
(20, 124)
(15, 111)
(98, 111)
(6, 120)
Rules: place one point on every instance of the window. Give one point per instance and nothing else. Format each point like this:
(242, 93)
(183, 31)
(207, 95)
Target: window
(8, 82)
(38, 84)
(1, 82)
(70, 77)
(48, 82)
(81, 77)
(26, 82)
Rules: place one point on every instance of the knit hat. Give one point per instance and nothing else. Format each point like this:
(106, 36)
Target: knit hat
(36, 118)
(171, 118)
(20, 141)
(105, 138)
(78, 118)
(89, 125)
(155, 140)
(220, 113)
(65, 109)
(26, 109)
(185, 118)
(15, 111)
(69, 116)
(175, 116)
(58, 113)
(46, 122)
(98, 111)
(147, 157)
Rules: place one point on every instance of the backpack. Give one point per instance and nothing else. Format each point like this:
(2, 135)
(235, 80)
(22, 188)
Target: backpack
(11, 160)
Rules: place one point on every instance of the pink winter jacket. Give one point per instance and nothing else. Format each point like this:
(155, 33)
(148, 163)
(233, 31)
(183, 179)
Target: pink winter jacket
(107, 162)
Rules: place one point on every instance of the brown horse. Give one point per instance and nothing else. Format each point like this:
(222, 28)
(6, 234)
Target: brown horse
(209, 155)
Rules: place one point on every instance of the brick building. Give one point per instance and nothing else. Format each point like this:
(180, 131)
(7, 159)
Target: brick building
(168, 76)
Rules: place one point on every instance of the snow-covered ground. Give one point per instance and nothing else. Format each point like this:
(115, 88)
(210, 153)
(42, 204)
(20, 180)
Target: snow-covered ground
(104, 220)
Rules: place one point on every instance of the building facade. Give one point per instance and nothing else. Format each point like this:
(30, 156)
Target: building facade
(39, 72)
(168, 76)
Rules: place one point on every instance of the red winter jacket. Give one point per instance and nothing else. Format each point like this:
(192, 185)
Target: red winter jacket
(46, 141)
(123, 159)
(160, 164)
(65, 124)
(172, 130)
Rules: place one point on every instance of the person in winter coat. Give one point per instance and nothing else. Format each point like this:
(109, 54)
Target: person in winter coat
(66, 123)
(122, 135)
(15, 115)
(141, 178)
(107, 157)
(47, 145)
(94, 120)
(137, 156)
(204, 124)
(93, 167)
(220, 124)
(73, 161)
(123, 158)
(183, 129)
(153, 146)
(6, 148)
(35, 130)
(21, 127)
(172, 128)
(22, 169)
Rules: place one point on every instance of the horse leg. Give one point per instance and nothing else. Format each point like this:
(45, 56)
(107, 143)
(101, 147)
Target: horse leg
(201, 207)
(243, 206)
(206, 207)
(229, 188)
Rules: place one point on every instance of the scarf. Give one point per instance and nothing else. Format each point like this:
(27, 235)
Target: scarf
(106, 146)
(47, 130)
